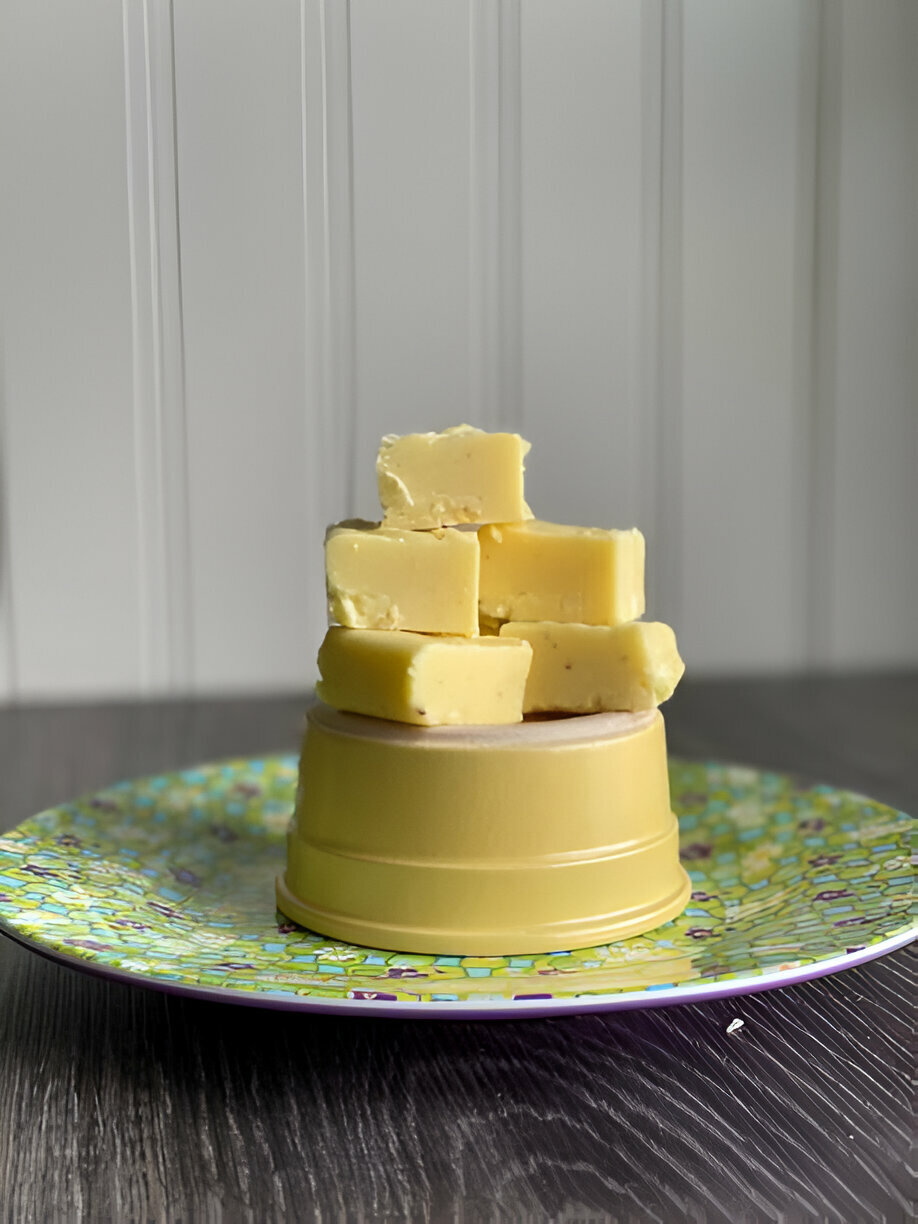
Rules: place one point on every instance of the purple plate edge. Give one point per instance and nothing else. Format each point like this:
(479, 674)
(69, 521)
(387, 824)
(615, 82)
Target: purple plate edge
(507, 1010)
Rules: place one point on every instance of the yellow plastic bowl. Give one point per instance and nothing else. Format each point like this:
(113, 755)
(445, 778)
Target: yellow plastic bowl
(488, 841)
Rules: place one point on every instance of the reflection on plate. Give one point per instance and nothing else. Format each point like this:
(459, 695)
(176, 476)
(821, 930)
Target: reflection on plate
(169, 882)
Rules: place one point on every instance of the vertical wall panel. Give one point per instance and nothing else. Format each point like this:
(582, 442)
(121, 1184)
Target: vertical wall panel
(410, 70)
(329, 270)
(7, 658)
(7, 633)
(658, 470)
(741, 604)
(254, 561)
(872, 615)
(159, 405)
(493, 211)
(582, 257)
(66, 378)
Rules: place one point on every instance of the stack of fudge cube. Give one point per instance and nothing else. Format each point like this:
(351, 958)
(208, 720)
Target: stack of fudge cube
(461, 608)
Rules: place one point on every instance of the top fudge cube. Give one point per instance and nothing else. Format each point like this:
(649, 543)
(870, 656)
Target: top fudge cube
(463, 475)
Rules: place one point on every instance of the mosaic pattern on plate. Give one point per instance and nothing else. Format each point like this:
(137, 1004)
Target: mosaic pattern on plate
(171, 878)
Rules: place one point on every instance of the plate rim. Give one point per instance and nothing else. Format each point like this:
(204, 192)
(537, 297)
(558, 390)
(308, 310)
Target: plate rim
(451, 1009)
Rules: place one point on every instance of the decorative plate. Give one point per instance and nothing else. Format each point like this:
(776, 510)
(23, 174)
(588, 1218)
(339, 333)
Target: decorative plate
(168, 882)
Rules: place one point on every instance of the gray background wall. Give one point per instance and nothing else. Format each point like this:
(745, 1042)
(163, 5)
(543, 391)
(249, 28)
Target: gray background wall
(672, 243)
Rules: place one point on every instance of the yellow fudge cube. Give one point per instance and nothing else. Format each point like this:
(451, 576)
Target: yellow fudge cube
(429, 681)
(584, 669)
(383, 578)
(462, 475)
(537, 571)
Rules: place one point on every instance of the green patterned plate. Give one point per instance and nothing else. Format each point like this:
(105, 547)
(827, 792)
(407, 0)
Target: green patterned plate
(169, 882)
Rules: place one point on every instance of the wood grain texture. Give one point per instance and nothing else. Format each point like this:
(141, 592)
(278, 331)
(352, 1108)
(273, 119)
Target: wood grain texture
(123, 1104)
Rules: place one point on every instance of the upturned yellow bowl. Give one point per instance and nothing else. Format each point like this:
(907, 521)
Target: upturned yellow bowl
(542, 836)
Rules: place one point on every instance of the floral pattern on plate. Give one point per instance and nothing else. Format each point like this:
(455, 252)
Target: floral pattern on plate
(170, 880)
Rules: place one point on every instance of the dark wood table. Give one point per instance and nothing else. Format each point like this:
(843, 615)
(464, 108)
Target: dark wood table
(119, 1103)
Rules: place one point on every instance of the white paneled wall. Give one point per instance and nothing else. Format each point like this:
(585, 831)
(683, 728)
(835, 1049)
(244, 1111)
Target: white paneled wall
(871, 413)
(672, 243)
(252, 508)
(742, 408)
(582, 217)
(72, 565)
